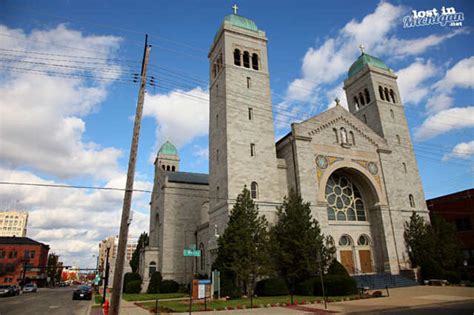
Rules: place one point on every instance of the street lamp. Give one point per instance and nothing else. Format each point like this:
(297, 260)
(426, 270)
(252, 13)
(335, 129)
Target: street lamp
(106, 280)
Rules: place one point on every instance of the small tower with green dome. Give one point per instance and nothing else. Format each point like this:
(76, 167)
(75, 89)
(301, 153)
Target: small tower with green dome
(167, 158)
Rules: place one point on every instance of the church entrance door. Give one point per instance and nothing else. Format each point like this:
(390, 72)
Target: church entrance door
(347, 261)
(365, 261)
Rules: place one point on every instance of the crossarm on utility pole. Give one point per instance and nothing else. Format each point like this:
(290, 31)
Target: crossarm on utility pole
(127, 200)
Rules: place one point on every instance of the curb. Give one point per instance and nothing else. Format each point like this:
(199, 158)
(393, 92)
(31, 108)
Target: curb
(399, 308)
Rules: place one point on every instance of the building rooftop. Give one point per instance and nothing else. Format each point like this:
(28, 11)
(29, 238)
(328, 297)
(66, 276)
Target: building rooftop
(13, 240)
(168, 149)
(366, 59)
(188, 178)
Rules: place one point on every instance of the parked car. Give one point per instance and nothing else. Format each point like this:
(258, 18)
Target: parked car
(83, 292)
(9, 290)
(63, 284)
(30, 287)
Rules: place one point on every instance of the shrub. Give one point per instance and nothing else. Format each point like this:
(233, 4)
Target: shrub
(453, 277)
(271, 287)
(339, 285)
(155, 283)
(134, 286)
(129, 277)
(306, 287)
(169, 286)
(336, 268)
(430, 269)
(229, 289)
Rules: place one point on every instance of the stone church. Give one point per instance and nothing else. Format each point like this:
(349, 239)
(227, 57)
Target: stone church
(356, 167)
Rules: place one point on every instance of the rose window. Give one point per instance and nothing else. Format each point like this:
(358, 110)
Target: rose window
(344, 200)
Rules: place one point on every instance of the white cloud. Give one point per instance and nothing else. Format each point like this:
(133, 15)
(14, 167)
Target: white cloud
(463, 150)
(73, 221)
(41, 115)
(411, 81)
(325, 64)
(460, 75)
(181, 116)
(445, 121)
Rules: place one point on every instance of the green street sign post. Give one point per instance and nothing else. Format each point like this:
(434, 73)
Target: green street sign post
(191, 253)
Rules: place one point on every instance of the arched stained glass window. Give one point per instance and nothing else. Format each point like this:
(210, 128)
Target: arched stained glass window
(344, 200)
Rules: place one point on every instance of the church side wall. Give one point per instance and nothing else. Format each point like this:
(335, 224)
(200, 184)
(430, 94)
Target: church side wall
(182, 210)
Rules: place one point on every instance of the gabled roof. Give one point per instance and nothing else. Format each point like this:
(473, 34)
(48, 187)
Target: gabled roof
(13, 240)
(327, 118)
(188, 178)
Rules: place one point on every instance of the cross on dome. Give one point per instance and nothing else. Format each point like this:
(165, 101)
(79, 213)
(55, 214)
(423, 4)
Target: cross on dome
(235, 7)
(362, 48)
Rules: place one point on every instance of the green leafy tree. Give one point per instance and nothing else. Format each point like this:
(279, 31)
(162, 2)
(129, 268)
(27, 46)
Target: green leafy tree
(297, 241)
(52, 268)
(417, 240)
(243, 247)
(434, 248)
(142, 243)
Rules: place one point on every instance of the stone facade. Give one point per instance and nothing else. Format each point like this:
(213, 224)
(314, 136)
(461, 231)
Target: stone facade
(357, 168)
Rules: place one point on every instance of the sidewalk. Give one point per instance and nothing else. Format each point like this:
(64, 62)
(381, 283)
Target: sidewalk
(400, 298)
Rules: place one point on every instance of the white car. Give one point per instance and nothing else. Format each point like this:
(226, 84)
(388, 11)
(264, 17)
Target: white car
(30, 287)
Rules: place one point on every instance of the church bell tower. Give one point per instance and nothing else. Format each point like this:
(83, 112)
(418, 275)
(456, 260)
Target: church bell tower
(241, 134)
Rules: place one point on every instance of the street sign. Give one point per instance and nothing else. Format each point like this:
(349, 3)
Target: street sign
(191, 253)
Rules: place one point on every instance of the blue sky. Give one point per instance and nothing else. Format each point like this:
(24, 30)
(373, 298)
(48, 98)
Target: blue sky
(58, 129)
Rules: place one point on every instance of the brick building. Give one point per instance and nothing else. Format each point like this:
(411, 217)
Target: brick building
(458, 208)
(22, 257)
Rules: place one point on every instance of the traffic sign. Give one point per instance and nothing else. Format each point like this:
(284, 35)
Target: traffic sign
(191, 253)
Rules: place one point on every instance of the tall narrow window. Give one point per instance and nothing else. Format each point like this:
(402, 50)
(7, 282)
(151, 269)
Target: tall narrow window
(336, 134)
(217, 193)
(392, 95)
(392, 114)
(217, 155)
(367, 96)
(214, 71)
(365, 118)
(217, 120)
(353, 140)
(404, 167)
(250, 113)
(254, 61)
(246, 59)
(254, 190)
(412, 200)
(173, 168)
(387, 98)
(361, 98)
(203, 256)
(163, 167)
(381, 93)
(248, 82)
(168, 168)
(356, 103)
(151, 268)
(237, 57)
(343, 135)
(398, 139)
(252, 149)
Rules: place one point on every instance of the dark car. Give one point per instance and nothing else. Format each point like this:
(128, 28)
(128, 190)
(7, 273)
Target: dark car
(8, 290)
(30, 287)
(83, 292)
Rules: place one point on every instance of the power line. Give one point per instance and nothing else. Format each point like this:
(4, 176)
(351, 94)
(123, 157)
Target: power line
(71, 186)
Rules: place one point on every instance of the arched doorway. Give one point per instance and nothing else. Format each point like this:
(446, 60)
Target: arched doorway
(353, 216)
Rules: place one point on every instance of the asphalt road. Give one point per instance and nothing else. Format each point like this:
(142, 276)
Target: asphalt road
(46, 301)
(460, 308)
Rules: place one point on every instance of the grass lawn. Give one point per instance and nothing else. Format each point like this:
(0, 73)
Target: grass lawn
(183, 306)
(146, 296)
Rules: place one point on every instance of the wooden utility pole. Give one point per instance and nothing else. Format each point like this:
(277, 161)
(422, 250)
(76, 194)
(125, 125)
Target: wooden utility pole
(127, 200)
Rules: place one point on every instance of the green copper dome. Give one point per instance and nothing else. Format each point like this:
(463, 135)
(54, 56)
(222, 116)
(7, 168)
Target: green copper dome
(168, 149)
(242, 22)
(366, 59)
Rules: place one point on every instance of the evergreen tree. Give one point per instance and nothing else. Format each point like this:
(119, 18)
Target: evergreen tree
(417, 239)
(243, 247)
(296, 241)
(142, 243)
